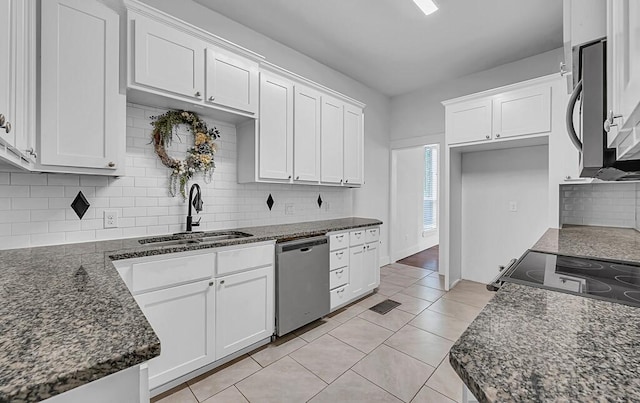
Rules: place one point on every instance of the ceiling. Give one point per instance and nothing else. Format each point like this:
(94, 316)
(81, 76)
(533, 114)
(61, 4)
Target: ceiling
(389, 45)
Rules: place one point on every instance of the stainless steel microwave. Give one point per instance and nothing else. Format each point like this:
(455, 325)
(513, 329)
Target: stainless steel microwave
(590, 95)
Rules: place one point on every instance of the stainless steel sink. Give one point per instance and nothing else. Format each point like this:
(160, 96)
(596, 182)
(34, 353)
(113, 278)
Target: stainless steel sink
(191, 238)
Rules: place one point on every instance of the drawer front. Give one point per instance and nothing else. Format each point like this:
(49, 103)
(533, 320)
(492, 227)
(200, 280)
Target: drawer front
(338, 259)
(243, 258)
(339, 241)
(356, 237)
(339, 296)
(171, 271)
(338, 278)
(372, 234)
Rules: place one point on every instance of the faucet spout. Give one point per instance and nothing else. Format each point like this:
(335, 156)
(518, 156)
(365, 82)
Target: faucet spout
(196, 202)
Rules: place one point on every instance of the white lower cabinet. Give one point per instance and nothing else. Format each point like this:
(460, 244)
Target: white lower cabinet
(244, 310)
(355, 270)
(183, 319)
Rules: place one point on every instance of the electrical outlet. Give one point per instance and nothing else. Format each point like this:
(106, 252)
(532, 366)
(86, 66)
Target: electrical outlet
(513, 206)
(288, 208)
(110, 219)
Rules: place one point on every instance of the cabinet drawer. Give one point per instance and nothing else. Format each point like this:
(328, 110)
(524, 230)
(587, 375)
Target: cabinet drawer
(338, 259)
(171, 271)
(233, 260)
(356, 237)
(339, 296)
(338, 278)
(372, 235)
(339, 241)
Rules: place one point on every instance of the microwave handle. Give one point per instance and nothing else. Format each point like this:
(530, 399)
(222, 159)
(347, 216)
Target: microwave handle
(571, 130)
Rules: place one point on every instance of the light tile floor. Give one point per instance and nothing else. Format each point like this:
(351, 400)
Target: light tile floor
(356, 355)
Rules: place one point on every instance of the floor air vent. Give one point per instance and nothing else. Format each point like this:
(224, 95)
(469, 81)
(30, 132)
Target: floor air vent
(385, 306)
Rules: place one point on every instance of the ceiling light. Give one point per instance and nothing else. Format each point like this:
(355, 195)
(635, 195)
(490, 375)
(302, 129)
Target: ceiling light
(427, 6)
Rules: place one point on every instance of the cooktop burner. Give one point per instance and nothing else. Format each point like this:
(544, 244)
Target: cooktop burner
(611, 281)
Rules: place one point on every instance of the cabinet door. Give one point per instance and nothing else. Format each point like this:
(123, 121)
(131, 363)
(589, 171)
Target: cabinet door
(306, 134)
(7, 44)
(623, 58)
(331, 141)
(183, 319)
(468, 121)
(275, 128)
(232, 81)
(356, 270)
(167, 59)
(244, 310)
(81, 109)
(371, 272)
(522, 112)
(353, 145)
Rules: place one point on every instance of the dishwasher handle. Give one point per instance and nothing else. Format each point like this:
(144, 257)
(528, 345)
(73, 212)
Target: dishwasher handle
(303, 245)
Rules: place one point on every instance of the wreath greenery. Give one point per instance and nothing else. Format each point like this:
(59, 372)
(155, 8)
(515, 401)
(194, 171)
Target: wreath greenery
(199, 156)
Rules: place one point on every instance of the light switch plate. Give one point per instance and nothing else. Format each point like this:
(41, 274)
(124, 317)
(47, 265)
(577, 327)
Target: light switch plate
(513, 206)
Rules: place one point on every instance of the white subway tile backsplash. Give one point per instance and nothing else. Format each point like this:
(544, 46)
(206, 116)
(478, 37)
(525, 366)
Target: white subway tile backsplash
(41, 202)
(601, 204)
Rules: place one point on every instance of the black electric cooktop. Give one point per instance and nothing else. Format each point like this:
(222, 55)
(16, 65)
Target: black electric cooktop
(594, 278)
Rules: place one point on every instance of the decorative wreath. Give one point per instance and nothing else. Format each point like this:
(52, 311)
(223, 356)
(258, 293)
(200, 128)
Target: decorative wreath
(199, 157)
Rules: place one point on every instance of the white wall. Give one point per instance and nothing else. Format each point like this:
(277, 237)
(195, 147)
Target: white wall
(34, 208)
(406, 231)
(491, 234)
(372, 200)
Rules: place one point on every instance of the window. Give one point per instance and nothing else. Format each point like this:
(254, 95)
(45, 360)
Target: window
(430, 200)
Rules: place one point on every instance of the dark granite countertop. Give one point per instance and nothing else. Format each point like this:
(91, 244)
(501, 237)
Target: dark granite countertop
(67, 318)
(597, 242)
(531, 344)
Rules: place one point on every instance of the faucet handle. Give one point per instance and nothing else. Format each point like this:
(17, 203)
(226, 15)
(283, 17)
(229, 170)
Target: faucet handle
(197, 223)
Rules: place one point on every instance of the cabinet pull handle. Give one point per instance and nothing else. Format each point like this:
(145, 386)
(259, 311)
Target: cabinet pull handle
(340, 253)
(111, 164)
(2, 120)
(212, 98)
(340, 271)
(6, 127)
(210, 283)
(31, 152)
(487, 137)
(221, 282)
(608, 122)
(340, 236)
(197, 93)
(340, 180)
(297, 177)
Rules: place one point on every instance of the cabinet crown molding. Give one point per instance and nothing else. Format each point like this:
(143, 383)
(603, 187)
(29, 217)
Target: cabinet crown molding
(495, 91)
(136, 7)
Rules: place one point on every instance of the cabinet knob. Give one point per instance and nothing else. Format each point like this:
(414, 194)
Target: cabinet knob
(111, 164)
(346, 181)
(221, 282)
(197, 93)
(487, 137)
(497, 135)
(289, 177)
(297, 177)
(6, 126)
(210, 283)
(212, 98)
(1, 120)
(340, 180)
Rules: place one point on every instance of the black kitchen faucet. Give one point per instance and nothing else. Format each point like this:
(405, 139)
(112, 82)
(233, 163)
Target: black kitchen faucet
(196, 202)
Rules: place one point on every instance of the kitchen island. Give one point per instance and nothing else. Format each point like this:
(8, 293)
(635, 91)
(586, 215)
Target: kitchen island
(68, 319)
(532, 344)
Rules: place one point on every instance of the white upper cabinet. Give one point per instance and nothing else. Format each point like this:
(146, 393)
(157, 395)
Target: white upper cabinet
(17, 82)
(231, 81)
(468, 121)
(173, 64)
(623, 81)
(275, 138)
(167, 59)
(353, 145)
(520, 112)
(332, 137)
(82, 111)
(496, 115)
(306, 134)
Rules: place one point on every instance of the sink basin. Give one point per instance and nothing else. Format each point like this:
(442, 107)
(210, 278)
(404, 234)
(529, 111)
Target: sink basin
(190, 238)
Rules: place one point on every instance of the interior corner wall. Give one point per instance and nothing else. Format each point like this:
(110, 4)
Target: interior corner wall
(420, 113)
(371, 200)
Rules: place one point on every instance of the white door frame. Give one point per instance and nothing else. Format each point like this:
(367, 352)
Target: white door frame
(394, 146)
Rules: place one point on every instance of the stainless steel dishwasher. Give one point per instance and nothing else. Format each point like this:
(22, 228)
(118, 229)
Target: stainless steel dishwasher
(302, 283)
